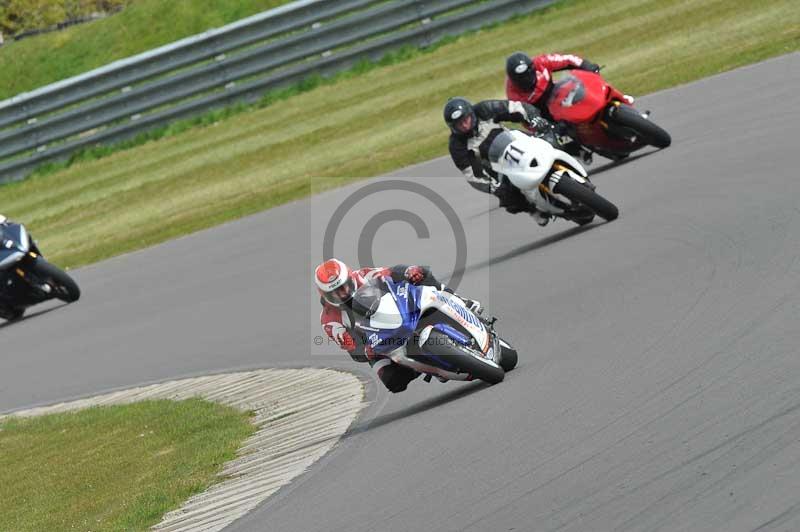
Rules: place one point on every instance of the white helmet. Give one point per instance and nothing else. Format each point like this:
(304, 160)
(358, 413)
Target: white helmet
(334, 282)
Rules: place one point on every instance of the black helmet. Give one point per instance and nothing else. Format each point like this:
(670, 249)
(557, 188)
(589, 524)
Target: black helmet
(519, 69)
(460, 116)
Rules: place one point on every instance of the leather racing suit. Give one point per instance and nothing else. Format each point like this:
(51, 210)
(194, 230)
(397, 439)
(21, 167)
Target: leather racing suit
(338, 324)
(470, 152)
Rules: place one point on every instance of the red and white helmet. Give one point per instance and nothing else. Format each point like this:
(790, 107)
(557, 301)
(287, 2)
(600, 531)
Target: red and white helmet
(334, 282)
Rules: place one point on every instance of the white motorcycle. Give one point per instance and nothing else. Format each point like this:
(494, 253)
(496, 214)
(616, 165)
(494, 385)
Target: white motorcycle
(552, 180)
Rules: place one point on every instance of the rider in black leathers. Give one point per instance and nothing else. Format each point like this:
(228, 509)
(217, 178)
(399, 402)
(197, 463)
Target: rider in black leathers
(472, 130)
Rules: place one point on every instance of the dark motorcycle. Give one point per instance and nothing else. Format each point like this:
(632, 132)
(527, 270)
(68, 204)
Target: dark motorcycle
(26, 278)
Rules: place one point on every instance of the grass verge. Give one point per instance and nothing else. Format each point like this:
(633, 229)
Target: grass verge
(112, 467)
(144, 24)
(374, 122)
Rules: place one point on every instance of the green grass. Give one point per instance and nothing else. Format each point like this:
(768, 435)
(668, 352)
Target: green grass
(114, 467)
(380, 120)
(36, 61)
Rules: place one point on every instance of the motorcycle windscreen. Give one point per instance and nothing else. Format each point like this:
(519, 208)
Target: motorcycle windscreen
(499, 145)
(578, 97)
(367, 298)
(14, 236)
(374, 306)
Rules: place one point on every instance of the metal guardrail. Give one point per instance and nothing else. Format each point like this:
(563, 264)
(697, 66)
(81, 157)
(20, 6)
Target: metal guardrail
(238, 62)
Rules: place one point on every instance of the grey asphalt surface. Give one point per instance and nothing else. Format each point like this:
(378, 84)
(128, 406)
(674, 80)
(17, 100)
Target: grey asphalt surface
(659, 378)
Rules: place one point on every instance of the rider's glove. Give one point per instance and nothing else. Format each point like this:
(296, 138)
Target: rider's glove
(415, 274)
(494, 184)
(591, 67)
(547, 131)
(343, 338)
(539, 124)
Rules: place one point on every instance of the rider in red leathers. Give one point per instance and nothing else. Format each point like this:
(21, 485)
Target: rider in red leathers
(529, 79)
(337, 283)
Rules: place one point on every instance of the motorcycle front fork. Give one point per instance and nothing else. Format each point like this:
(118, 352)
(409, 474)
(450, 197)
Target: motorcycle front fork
(41, 289)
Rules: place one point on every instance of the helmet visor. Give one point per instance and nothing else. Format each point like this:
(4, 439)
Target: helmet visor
(465, 123)
(341, 295)
(523, 77)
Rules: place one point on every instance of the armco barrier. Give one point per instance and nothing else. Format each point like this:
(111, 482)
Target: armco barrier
(238, 62)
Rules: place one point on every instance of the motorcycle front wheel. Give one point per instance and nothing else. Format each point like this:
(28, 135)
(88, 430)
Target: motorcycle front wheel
(65, 287)
(439, 344)
(579, 193)
(650, 132)
(508, 356)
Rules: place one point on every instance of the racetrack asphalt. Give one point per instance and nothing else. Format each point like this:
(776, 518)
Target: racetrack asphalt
(658, 380)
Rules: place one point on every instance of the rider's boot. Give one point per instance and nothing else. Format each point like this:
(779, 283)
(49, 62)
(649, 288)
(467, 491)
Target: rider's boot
(585, 155)
(540, 217)
(511, 198)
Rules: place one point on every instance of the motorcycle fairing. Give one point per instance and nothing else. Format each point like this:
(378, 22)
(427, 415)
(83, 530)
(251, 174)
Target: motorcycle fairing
(9, 257)
(410, 303)
(399, 311)
(579, 97)
(452, 307)
(453, 333)
(14, 244)
(395, 319)
(527, 160)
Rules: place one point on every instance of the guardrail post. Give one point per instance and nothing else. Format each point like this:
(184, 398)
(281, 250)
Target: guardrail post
(422, 20)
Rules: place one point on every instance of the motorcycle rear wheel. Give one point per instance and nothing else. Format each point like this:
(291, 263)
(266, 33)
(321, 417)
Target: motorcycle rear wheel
(440, 344)
(650, 132)
(579, 193)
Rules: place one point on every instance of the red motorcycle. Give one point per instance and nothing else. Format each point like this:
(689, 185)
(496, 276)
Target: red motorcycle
(597, 116)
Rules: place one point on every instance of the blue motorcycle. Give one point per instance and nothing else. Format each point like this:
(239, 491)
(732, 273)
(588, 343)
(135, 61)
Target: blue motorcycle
(26, 278)
(430, 331)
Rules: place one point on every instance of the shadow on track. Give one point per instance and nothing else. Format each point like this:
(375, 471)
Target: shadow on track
(614, 164)
(533, 246)
(429, 404)
(379, 421)
(592, 172)
(32, 315)
(483, 213)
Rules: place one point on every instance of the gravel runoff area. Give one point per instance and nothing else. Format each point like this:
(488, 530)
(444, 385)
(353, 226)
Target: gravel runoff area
(300, 414)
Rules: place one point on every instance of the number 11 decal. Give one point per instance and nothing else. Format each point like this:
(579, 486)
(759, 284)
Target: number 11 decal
(518, 151)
